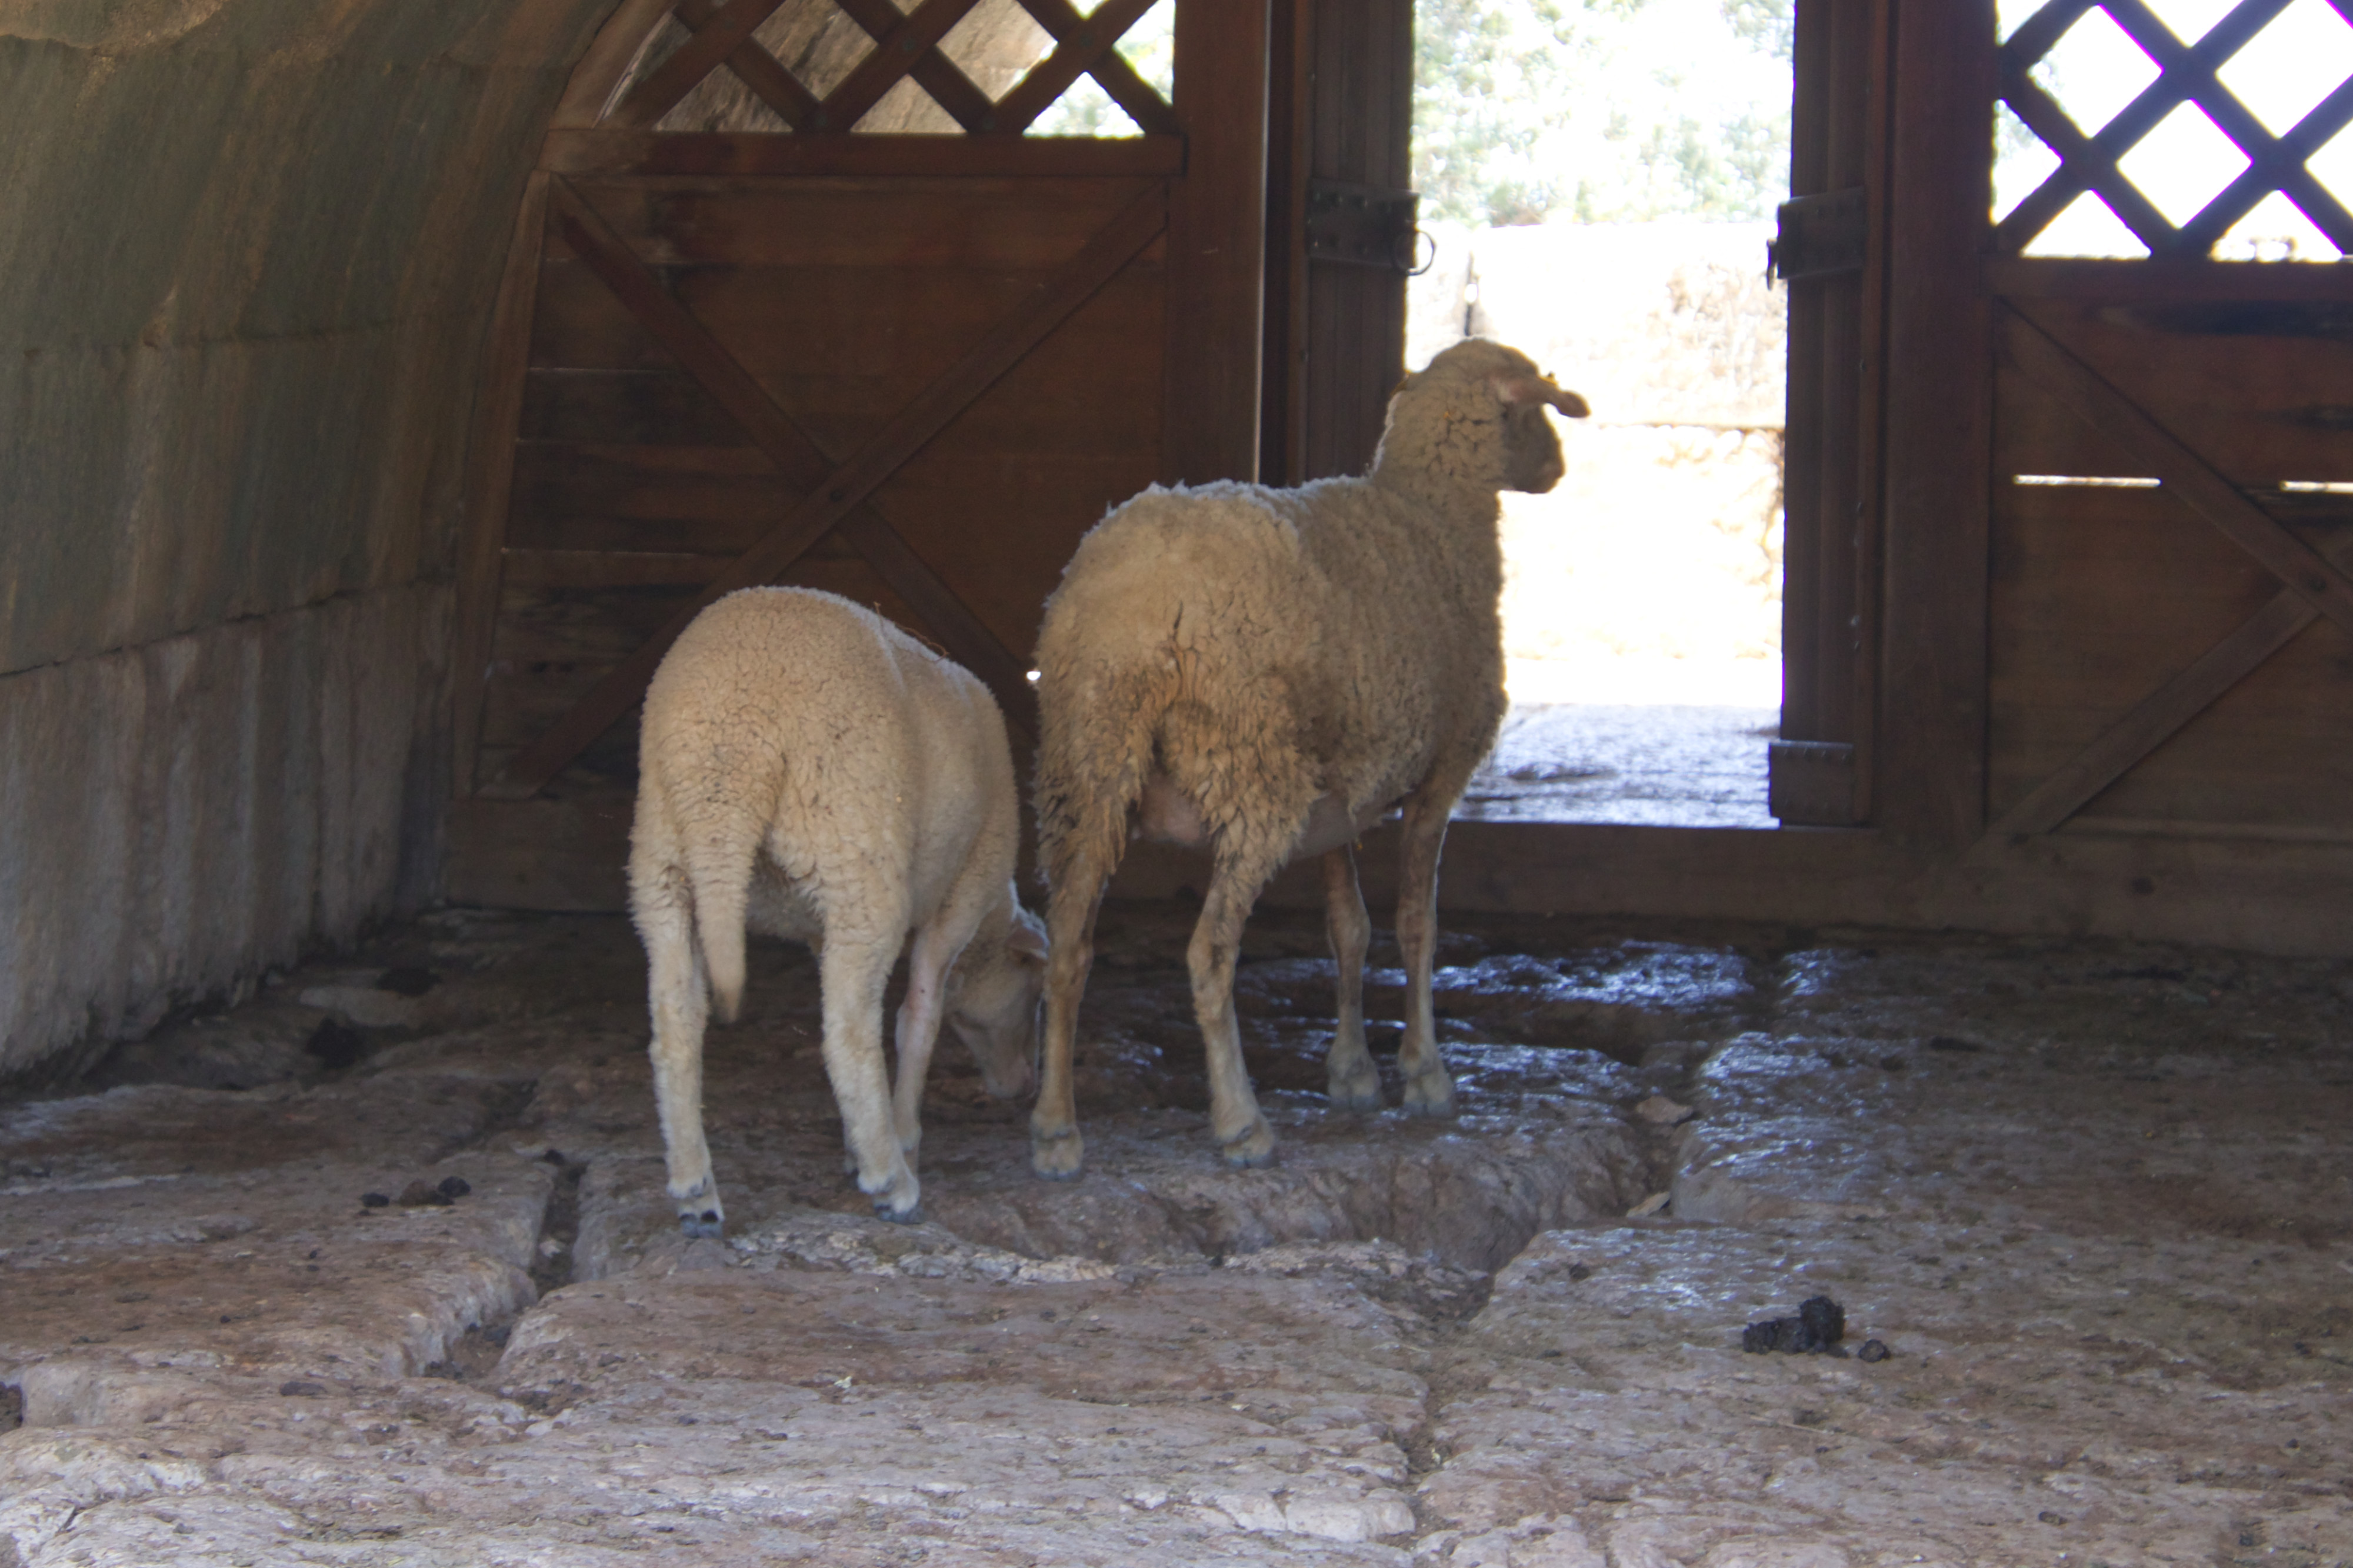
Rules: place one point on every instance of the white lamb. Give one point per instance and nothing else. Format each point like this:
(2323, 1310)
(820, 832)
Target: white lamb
(811, 770)
(1263, 673)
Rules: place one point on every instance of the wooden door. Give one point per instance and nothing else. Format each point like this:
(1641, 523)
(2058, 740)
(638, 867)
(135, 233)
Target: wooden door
(2169, 622)
(1341, 239)
(798, 298)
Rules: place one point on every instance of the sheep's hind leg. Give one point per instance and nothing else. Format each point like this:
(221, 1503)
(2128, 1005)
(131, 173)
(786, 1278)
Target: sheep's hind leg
(852, 974)
(1428, 1091)
(680, 1008)
(1241, 1130)
(1354, 1083)
(918, 1031)
(1056, 1151)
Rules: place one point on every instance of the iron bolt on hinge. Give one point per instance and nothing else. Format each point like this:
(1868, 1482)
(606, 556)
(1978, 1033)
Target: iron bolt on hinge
(1820, 236)
(1365, 226)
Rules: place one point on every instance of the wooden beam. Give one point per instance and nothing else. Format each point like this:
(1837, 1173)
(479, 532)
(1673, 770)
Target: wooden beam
(1217, 244)
(658, 92)
(2155, 719)
(833, 497)
(2214, 886)
(2188, 476)
(1930, 767)
(2162, 282)
(490, 477)
(610, 152)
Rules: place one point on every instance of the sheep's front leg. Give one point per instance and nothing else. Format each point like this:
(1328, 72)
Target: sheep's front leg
(854, 974)
(918, 1031)
(680, 1004)
(1428, 1091)
(1242, 1133)
(1056, 1150)
(1354, 1083)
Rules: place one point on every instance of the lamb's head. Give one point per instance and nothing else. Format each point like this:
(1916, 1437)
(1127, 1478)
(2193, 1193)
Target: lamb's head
(993, 1003)
(1476, 416)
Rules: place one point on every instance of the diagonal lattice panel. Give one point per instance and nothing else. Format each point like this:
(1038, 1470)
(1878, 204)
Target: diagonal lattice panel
(906, 47)
(2189, 79)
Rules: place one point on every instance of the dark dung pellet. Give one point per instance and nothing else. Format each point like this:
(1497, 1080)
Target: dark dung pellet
(1873, 1350)
(373, 1201)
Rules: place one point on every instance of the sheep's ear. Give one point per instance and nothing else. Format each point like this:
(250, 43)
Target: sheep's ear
(1515, 390)
(1026, 939)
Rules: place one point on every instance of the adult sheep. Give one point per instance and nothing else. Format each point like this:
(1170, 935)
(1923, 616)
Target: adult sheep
(809, 770)
(1263, 673)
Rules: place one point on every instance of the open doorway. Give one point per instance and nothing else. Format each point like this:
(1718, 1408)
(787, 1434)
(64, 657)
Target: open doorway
(1600, 180)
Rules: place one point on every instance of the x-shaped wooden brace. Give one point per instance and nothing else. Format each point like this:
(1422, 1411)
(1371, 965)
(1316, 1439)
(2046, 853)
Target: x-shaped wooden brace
(835, 492)
(2315, 586)
(2185, 74)
(904, 44)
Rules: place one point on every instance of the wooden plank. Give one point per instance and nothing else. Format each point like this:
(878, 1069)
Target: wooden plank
(2188, 476)
(659, 91)
(2156, 718)
(489, 477)
(869, 332)
(1931, 753)
(2162, 282)
(1083, 46)
(581, 152)
(1873, 129)
(908, 40)
(1217, 244)
(2222, 889)
(972, 222)
(607, 568)
(1289, 99)
(853, 481)
(2258, 388)
(623, 407)
(608, 57)
(756, 68)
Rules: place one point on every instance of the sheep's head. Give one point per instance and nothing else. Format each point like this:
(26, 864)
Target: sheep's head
(1467, 397)
(993, 1006)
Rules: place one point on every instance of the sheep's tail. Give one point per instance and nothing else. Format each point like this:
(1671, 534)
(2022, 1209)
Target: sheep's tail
(719, 857)
(1095, 752)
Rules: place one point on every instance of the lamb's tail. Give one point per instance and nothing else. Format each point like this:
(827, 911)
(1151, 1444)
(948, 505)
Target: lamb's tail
(719, 854)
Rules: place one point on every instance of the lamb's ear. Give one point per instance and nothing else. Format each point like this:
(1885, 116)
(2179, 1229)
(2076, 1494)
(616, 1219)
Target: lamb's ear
(1515, 390)
(1026, 939)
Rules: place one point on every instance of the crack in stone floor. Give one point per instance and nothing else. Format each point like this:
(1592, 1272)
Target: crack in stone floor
(2096, 1198)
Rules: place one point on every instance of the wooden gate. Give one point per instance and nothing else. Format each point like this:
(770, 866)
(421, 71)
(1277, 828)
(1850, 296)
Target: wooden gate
(2172, 490)
(795, 297)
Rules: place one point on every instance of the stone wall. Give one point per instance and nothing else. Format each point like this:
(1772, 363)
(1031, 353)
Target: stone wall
(245, 277)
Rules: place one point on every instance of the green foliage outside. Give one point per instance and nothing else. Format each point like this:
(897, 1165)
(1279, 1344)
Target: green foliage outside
(1601, 111)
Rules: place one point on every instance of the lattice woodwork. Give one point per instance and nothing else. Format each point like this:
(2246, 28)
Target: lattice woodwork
(865, 65)
(2186, 74)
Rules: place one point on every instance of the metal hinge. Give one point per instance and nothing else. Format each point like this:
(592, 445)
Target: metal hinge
(1819, 236)
(1363, 226)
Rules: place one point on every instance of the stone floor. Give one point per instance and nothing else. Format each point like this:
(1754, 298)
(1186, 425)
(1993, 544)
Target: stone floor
(2093, 1200)
(1660, 765)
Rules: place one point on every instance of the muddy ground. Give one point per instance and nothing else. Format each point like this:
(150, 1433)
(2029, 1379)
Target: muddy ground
(376, 1269)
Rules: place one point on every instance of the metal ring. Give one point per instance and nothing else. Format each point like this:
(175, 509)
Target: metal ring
(1410, 244)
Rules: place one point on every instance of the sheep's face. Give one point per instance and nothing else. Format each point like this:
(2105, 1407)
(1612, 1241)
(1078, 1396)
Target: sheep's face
(1532, 460)
(994, 1010)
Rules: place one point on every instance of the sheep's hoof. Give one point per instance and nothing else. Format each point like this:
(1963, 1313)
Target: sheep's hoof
(1358, 1093)
(1058, 1157)
(695, 1223)
(913, 1214)
(1429, 1095)
(1250, 1148)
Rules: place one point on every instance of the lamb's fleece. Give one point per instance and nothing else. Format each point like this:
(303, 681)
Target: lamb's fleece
(1263, 673)
(811, 770)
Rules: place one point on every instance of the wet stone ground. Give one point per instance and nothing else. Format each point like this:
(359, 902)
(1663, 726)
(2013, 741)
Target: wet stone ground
(2095, 1199)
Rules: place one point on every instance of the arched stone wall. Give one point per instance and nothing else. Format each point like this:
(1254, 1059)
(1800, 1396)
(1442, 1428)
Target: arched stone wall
(248, 258)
